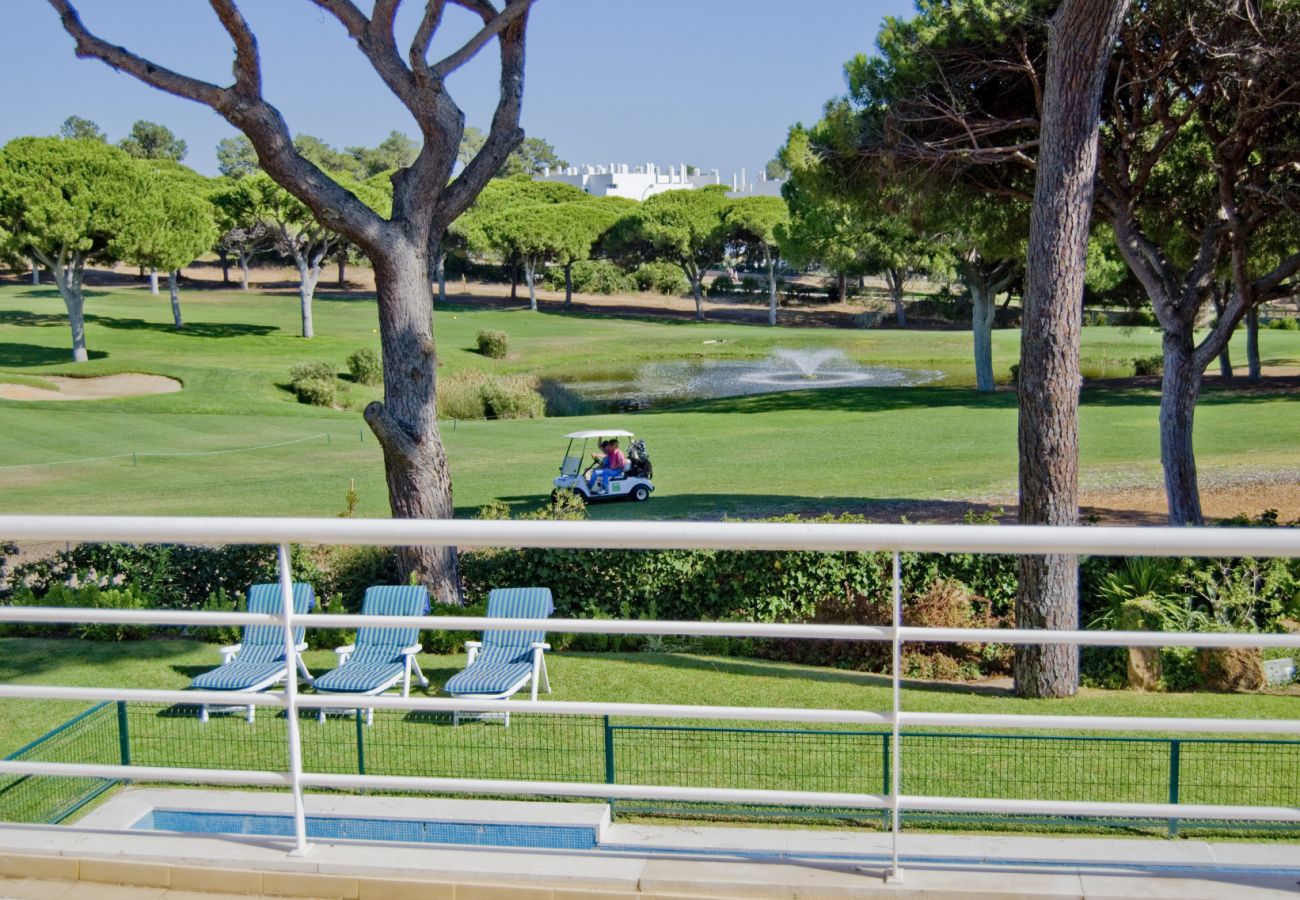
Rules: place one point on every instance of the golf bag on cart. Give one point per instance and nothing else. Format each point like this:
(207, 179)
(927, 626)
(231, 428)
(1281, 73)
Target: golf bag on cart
(639, 461)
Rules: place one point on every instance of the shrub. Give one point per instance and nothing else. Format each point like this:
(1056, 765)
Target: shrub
(365, 367)
(1141, 317)
(592, 276)
(303, 371)
(471, 394)
(1285, 324)
(512, 397)
(314, 383)
(92, 595)
(1095, 317)
(751, 285)
(316, 391)
(1148, 365)
(661, 278)
(172, 576)
(722, 286)
(495, 344)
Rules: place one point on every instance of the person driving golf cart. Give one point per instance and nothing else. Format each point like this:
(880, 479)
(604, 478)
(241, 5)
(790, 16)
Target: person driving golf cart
(610, 474)
(610, 465)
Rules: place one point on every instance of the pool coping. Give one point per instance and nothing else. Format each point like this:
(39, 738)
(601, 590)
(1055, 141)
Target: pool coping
(831, 863)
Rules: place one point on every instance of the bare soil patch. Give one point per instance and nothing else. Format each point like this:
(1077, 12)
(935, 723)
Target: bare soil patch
(103, 387)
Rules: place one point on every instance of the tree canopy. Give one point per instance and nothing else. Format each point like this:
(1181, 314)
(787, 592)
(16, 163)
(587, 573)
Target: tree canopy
(755, 223)
(687, 227)
(236, 156)
(77, 128)
(65, 202)
(149, 140)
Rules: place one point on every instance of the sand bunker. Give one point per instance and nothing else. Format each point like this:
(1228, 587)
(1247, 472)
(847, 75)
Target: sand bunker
(130, 384)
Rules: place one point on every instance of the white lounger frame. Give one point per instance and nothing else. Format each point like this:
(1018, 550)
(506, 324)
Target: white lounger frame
(536, 676)
(228, 654)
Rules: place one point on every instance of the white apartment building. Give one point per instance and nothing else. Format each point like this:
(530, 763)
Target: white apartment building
(639, 182)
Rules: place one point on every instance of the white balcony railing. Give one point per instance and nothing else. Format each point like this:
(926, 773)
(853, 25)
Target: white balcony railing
(660, 535)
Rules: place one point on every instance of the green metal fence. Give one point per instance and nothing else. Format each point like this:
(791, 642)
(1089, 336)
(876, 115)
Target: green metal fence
(596, 749)
(96, 736)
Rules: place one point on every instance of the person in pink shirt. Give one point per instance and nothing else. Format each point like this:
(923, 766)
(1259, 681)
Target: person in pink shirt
(613, 463)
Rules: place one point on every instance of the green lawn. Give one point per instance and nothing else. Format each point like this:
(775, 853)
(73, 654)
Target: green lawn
(763, 755)
(801, 452)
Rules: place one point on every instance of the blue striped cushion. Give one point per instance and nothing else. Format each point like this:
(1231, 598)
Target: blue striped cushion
(392, 601)
(377, 662)
(517, 603)
(360, 677)
(506, 656)
(239, 675)
(488, 678)
(261, 655)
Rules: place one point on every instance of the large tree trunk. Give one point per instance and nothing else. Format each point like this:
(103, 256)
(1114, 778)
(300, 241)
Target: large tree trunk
(1082, 33)
(568, 285)
(983, 312)
(894, 278)
(1225, 358)
(36, 272)
(68, 281)
(844, 287)
(1181, 383)
(1253, 369)
(153, 281)
(514, 281)
(771, 286)
(223, 257)
(442, 275)
(307, 277)
(406, 423)
(530, 272)
(243, 269)
(343, 268)
(173, 288)
(696, 278)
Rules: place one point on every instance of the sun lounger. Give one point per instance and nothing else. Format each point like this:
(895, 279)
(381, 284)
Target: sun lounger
(505, 660)
(258, 661)
(381, 656)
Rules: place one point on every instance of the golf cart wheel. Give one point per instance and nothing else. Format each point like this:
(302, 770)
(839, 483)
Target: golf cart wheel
(640, 493)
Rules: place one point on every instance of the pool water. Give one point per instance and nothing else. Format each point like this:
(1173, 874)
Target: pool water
(414, 831)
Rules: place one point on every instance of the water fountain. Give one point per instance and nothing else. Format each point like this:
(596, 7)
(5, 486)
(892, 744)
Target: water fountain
(785, 369)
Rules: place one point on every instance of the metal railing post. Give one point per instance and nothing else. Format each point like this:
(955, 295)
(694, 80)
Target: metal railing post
(291, 708)
(895, 873)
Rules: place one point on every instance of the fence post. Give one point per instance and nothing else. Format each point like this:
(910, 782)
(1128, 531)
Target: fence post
(123, 735)
(361, 743)
(895, 873)
(291, 707)
(886, 779)
(609, 763)
(1175, 764)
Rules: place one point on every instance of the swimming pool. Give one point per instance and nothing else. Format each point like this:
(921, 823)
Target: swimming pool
(355, 828)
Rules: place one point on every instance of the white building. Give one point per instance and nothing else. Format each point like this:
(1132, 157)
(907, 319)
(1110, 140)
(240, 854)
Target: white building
(639, 182)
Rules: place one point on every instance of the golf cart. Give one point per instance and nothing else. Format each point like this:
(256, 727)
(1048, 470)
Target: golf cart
(633, 483)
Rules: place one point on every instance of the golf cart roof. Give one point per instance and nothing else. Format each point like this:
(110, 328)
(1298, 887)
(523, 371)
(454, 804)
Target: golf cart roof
(607, 432)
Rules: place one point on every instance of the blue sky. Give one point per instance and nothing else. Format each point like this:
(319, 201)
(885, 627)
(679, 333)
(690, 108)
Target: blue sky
(713, 83)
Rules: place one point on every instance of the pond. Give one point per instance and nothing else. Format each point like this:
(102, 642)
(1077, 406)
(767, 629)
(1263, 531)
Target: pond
(659, 383)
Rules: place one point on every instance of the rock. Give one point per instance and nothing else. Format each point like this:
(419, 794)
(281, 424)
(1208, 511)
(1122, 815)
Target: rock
(1230, 669)
(1144, 668)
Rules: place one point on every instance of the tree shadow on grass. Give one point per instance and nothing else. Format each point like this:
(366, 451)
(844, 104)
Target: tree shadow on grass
(753, 668)
(17, 356)
(53, 293)
(26, 319)
(23, 657)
